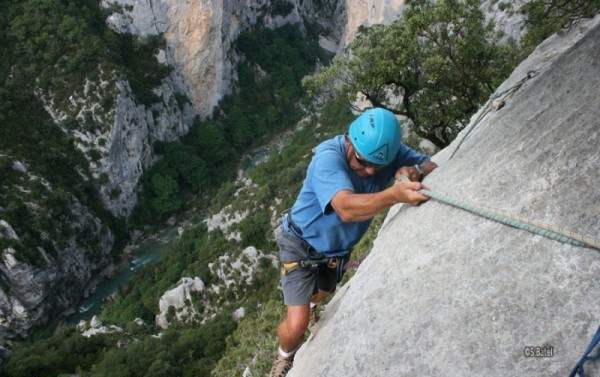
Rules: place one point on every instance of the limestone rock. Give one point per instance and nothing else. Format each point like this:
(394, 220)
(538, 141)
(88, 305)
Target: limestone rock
(448, 293)
(58, 280)
(180, 298)
(96, 327)
(7, 231)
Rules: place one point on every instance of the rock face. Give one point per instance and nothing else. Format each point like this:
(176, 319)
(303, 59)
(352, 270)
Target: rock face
(56, 281)
(180, 298)
(368, 13)
(465, 295)
(200, 34)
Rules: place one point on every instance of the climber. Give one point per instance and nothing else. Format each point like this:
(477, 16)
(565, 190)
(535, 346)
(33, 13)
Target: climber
(346, 185)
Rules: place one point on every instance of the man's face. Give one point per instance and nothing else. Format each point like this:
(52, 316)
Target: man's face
(360, 165)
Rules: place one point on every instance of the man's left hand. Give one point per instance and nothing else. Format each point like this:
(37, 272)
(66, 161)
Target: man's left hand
(413, 173)
(410, 172)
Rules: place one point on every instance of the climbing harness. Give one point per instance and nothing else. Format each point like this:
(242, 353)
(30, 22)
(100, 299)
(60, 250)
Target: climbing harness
(495, 102)
(586, 356)
(511, 220)
(310, 263)
(338, 262)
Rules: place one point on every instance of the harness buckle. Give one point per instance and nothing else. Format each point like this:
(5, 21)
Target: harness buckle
(333, 262)
(309, 263)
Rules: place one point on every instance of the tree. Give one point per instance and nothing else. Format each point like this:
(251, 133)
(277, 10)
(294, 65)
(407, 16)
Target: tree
(545, 17)
(191, 168)
(435, 65)
(166, 191)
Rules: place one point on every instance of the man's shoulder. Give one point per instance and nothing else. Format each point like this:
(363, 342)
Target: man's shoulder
(333, 145)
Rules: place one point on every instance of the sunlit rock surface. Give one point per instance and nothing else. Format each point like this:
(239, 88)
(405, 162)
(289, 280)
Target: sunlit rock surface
(448, 293)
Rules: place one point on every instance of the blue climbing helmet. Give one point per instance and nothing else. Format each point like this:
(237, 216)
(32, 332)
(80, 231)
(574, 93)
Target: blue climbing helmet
(376, 135)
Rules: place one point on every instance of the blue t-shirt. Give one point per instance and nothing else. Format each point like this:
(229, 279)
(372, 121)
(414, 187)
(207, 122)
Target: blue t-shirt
(327, 174)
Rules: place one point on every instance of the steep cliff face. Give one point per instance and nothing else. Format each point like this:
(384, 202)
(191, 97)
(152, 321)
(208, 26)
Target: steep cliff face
(368, 13)
(118, 142)
(199, 36)
(128, 152)
(53, 277)
(448, 293)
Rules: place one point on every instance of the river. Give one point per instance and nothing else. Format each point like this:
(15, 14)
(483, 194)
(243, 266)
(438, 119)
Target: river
(147, 254)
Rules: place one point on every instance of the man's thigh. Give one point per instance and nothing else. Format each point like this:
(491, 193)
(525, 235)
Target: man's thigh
(298, 285)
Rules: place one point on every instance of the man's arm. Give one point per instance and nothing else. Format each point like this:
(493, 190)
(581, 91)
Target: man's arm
(360, 207)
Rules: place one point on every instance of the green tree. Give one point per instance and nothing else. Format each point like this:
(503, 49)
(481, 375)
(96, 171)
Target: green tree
(209, 143)
(190, 168)
(545, 17)
(437, 58)
(166, 191)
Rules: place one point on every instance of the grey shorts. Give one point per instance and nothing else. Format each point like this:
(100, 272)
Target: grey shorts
(299, 285)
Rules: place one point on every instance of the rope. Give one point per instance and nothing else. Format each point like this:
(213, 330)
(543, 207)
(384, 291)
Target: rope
(498, 100)
(553, 233)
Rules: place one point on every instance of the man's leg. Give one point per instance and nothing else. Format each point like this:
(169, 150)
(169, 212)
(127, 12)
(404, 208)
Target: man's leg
(324, 287)
(291, 334)
(300, 287)
(313, 314)
(291, 329)
(320, 296)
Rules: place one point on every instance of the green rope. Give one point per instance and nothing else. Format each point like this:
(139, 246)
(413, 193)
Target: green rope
(487, 107)
(539, 229)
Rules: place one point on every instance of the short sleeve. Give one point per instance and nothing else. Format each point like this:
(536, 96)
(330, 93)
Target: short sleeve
(329, 177)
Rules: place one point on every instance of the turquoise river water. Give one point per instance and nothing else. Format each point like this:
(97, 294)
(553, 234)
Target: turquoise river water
(147, 254)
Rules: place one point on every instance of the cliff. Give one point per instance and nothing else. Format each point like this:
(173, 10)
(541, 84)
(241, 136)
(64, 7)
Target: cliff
(448, 293)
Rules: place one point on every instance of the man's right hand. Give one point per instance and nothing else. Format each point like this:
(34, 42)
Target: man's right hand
(408, 192)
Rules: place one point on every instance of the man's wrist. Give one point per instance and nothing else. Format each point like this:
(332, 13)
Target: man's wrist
(421, 172)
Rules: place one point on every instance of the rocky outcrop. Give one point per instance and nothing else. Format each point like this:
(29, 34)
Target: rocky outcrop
(191, 300)
(95, 327)
(448, 293)
(29, 292)
(181, 300)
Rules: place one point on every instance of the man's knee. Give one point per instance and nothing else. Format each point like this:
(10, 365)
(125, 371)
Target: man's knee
(320, 295)
(297, 319)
